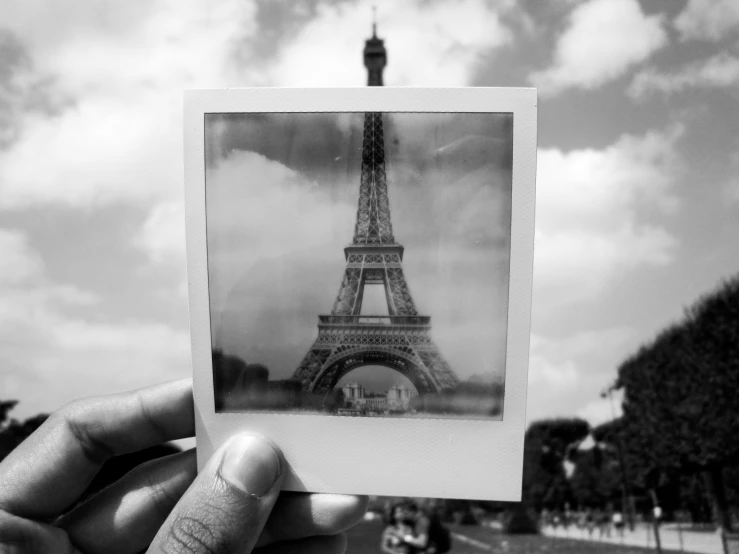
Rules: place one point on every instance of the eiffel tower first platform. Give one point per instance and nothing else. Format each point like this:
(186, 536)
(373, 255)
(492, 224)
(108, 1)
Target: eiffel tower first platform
(401, 340)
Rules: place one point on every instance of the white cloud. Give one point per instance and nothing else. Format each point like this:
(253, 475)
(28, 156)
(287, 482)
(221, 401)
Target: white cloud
(732, 190)
(429, 43)
(50, 357)
(718, 71)
(708, 19)
(18, 263)
(163, 233)
(125, 69)
(601, 410)
(603, 40)
(99, 152)
(251, 221)
(592, 220)
(563, 370)
(553, 377)
(596, 222)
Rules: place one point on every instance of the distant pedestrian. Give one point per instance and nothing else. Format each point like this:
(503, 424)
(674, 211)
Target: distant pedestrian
(399, 526)
(618, 522)
(604, 524)
(568, 518)
(590, 522)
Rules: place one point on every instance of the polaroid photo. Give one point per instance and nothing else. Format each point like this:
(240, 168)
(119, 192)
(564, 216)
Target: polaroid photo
(360, 267)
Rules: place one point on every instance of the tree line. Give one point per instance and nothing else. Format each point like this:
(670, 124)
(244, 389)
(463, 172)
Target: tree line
(676, 444)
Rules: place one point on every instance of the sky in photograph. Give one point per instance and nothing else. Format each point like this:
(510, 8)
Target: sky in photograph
(637, 187)
(281, 201)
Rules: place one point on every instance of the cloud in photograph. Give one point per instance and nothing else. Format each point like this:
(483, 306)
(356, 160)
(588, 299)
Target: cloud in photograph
(603, 39)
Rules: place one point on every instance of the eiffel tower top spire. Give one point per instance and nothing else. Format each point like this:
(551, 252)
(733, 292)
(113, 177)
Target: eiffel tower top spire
(375, 56)
(373, 227)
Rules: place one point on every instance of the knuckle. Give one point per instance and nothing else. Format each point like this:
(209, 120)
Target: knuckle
(149, 419)
(162, 498)
(21, 535)
(85, 430)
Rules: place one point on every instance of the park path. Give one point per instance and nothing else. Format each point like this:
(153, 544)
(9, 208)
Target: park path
(472, 545)
(671, 538)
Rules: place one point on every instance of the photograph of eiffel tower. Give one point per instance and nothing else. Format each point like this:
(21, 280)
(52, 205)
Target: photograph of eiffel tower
(279, 191)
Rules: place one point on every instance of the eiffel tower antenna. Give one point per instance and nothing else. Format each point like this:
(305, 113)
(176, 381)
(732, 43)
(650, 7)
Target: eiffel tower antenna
(347, 338)
(374, 21)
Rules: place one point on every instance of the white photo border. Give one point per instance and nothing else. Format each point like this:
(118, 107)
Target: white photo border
(428, 457)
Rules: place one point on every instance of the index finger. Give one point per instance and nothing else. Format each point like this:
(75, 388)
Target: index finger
(52, 467)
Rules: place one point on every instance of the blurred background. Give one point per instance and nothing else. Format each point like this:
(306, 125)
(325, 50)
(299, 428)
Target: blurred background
(637, 217)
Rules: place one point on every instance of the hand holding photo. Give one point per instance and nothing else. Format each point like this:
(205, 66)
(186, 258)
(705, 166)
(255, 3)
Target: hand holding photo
(364, 253)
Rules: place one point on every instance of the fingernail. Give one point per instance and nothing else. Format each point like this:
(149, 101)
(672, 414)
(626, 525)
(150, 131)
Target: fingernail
(251, 464)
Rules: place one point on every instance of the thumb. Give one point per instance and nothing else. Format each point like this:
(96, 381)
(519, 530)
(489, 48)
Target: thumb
(226, 507)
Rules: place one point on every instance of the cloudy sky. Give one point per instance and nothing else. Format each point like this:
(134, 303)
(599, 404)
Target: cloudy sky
(281, 198)
(637, 192)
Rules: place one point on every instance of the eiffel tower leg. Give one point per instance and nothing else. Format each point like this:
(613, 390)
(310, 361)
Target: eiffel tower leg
(437, 366)
(398, 289)
(350, 292)
(312, 364)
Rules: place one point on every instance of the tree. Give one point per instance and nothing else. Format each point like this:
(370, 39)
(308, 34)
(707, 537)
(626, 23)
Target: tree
(680, 407)
(547, 445)
(6, 406)
(12, 431)
(334, 400)
(596, 480)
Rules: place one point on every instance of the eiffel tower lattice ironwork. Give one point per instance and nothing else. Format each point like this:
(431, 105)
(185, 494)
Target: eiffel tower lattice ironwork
(346, 338)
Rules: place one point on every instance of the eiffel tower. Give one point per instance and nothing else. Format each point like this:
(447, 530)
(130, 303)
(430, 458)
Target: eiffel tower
(346, 338)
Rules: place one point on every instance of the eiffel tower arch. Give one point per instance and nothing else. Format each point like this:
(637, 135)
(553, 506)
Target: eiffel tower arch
(347, 339)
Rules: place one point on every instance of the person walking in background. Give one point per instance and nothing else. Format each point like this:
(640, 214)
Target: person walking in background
(618, 522)
(399, 526)
(603, 521)
(430, 536)
(590, 522)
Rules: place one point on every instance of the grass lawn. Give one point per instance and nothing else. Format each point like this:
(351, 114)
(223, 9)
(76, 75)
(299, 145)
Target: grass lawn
(365, 539)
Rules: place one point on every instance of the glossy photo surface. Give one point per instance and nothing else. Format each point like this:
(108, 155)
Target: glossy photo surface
(358, 263)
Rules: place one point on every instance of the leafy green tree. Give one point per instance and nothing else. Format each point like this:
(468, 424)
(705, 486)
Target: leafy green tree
(680, 406)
